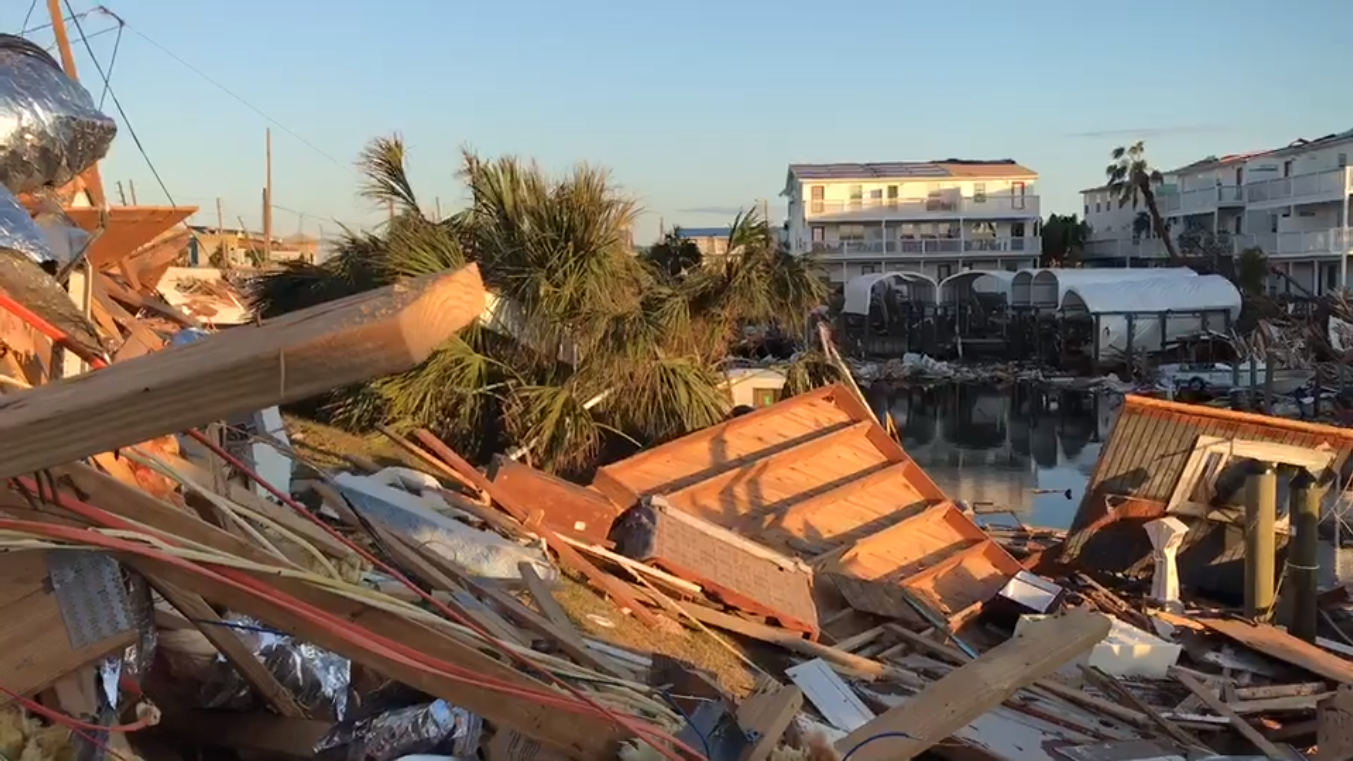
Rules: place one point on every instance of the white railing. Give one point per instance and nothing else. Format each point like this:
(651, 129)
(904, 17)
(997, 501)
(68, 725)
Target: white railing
(1318, 186)
(994, 205)
(1200, 200)
(1120, 248)
(1314, 242)
(1311, 243)
(929, 247)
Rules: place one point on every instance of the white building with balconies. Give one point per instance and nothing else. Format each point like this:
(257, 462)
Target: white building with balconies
(1292, 203)
(935, 218)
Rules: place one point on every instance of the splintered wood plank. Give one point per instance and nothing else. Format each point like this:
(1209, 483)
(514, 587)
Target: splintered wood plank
(1237, 722)
(1276, 643)
(241, 370)
(540, 592)
(584, 736)
(225, 640)
(966, 693)
(769, 714)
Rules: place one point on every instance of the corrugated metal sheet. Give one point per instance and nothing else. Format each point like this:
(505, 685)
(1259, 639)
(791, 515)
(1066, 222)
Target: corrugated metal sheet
(1152, 440)
(1142, 462)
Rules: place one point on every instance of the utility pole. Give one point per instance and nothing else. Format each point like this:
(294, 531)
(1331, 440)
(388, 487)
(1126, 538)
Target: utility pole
(91, 179)
(267, 200)
(439, 208)
(131, 187)
(220, 219)
(765, 211)
(122, 196)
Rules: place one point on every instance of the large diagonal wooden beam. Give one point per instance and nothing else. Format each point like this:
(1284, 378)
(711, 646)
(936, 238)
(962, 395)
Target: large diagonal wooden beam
(237, 371)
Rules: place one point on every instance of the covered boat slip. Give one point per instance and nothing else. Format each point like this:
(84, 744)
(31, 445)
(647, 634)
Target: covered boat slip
(1064, 316)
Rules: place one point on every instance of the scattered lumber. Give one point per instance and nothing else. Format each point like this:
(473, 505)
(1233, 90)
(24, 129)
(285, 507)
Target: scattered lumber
(290, 358)
(966, 693)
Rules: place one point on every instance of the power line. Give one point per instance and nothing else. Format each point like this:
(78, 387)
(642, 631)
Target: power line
(233, 94)
(27, 16)
(108, 87)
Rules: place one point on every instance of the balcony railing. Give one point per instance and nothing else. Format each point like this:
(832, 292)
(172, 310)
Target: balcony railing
(1290, 244)
(929, 247)
(1319, 186)
(942, 206)
(1315, 242)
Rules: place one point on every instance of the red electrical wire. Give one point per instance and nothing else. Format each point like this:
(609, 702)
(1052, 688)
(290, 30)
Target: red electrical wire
(350, 632)
(70, 721)
(581, 700)
(446, 610)
(76, 726)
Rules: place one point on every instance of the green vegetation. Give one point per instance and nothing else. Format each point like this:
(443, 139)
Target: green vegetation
(1132, 180)
(593, 348)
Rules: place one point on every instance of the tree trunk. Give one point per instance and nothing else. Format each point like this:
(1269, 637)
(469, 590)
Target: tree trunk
(1158, 224)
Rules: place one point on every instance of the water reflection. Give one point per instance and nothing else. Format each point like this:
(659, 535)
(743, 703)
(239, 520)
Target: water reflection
(1002, 446)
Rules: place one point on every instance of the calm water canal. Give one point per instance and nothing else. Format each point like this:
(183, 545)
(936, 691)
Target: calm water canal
(1003, 446)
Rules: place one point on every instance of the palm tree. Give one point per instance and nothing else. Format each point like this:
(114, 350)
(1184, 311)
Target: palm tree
(1065, 237)
(587, 345)
(1132, 180)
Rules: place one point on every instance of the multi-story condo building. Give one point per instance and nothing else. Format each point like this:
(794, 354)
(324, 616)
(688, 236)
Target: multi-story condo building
(937, 218)
(1292, 203)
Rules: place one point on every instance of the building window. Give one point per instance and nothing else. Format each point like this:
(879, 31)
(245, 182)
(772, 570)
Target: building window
(1287, 168)
(943, 271)
(867, 269)
(1087, 210)
(817, 192)
(819, 233)
(856, 195)
(850, 232)
(1096, 207)
(876, 195)
(1343, 160)
(1011, 266)
(892, 191)
(979, 192)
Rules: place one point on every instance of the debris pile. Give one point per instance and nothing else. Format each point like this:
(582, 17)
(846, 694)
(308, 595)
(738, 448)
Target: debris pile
(178, 578)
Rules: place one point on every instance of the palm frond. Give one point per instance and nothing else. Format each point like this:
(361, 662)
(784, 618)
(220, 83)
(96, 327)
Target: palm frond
(385, 177)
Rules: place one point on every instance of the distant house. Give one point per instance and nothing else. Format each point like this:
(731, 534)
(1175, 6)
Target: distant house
(237, 244)
(712, 241)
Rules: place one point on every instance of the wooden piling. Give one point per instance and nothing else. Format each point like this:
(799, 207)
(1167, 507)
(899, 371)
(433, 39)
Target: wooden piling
(1261, 512)
(1303, 562)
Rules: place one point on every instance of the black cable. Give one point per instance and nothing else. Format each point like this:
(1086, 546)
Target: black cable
(136, 139)
(112, 62)
(49, 24)
(31, 7)
(237, 97)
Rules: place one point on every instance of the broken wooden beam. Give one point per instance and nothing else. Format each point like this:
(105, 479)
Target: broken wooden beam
(235, 372)
(963, 694)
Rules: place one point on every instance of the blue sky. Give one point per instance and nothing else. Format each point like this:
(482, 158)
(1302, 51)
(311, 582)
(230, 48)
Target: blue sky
(696, 107)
